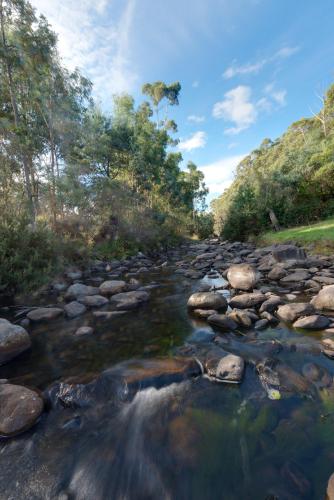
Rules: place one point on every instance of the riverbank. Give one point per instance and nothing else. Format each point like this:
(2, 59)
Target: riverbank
(143, 372)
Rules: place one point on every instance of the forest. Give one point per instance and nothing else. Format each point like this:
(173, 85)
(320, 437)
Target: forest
(76, 180)
(290, 178)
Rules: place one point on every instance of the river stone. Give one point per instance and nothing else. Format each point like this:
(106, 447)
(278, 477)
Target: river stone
(291, 312)
(13, 341)
(241, 317)
(19, 409)
(107, 315)
(74, 309)
(230, 368)
(44, 313)
(207, 300)
(296, 277)
(261, 324)
(282, 253)
(277, 273)
(314, 322)
(247, 300)
(80, 290)
(93, 300)
(204, 313)
(129, 300)
(84, 330)
(330, 488)
(325, 298)
(271, 304)
(222, 322)
(112, 287)
(242, 276)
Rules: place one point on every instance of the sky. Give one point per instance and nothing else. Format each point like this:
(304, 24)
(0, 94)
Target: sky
(248, 68)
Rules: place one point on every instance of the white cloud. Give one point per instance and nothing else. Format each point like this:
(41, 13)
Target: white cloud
(243, 70)
(197, 140)
(286, 51)
(277, 96)
(196, 118)
(219, 174)
(236, 108)
(232, 145)
(94, 39)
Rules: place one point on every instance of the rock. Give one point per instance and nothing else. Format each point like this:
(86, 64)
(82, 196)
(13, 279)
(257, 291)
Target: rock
(79, 290)
(314, 322)
(13, 341)
(93, 300)
(247, 300)
(74, 275)
(282, 253)
(207, 300)
(19, 409)
(44, 313)
(74, 309)
(222, 322)
(271, 304)
(107, 315)
(129, 300)
(204, 313)
(242, 277)
(325, 298)
(230, 368)
(112, 287)
(330, 488)
(277, 273)
(328, 347)
(291, 312)
(84, 330)
(241, 317)
(261, 324)
(296, 277)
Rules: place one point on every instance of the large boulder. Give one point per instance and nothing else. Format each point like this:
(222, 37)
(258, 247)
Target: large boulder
(242, 276)
(325, 298)
(282, 253)
(80, 290)
(13, 341)
(247, 300)
(112, 287)
(291, 312)
(44, 313)
(19, 409)
(313, 322)
(207, 300)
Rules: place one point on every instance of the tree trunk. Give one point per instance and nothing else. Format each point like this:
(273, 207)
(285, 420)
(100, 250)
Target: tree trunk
(274, 220)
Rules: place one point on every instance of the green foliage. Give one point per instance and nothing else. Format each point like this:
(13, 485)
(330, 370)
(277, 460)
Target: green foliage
(293, 177)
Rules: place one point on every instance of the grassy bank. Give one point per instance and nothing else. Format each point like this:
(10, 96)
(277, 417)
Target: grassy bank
(319, 237)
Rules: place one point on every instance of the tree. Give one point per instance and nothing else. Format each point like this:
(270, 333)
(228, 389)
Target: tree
(159, 91)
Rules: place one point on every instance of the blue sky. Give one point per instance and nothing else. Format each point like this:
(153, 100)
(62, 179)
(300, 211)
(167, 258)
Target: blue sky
(248, 68)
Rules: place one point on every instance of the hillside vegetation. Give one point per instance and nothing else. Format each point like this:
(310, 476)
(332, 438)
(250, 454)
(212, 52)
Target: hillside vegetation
(75, 180)
(291, 178)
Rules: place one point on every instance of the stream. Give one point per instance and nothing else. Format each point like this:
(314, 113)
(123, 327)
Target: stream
(167, 438)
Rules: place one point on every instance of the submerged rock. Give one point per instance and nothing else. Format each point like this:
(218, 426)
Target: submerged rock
(207, 300)
(223, 322)
(19, 409)
(314, 322)
(44, 313)
(129, 300)
(13, 341)
(242, 277)
(204, 313)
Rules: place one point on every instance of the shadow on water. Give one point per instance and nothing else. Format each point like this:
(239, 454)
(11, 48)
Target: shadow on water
(189, 440)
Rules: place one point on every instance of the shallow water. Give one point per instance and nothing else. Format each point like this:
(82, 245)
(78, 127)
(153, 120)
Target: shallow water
(192, 440)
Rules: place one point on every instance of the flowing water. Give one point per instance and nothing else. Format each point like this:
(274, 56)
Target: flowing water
(194, 439)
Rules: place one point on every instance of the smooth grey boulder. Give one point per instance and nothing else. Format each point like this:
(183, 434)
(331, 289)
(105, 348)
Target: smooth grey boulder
(242, 276)
(207, 300)
(93, 300)
(44, 313)
(324, 299)
(14, 340)
(222, 322)
(20, 408)
(314, 322)
(282, 253)
(80, 290)
(112, 287)
(291, 312)
(247, 300)
(230, 368)
(129, 300)
(296, 277)
(271, 304)
(277, 272)
(74, 309)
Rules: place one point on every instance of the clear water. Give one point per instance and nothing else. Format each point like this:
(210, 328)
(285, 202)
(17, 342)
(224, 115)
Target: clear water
(191, 440)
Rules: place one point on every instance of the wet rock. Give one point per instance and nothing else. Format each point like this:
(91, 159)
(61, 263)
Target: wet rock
(20, 408)
(247, 300)
(129, 300)
(269, 317)
(207, 300)
(296, 277)
(108, 315)
(317, 374)
(13, 341)
(330, 488)
(291, 312)
(282, 253)
(74, 275)
(222, 322)
(183, 438)
(261, 324)
(271, 304)
(112, 287)
(324, 280)
(242, 277)
(325, 298)
(44, 313)
(243, 318)
(328, 347)
(314, 322)
(74, 309)
(84, 330)
(229, 368)
(277, 273)
(93, 300)
(79, 290)
(204, 313)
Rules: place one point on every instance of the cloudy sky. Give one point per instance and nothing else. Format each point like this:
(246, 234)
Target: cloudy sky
(248, 68)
